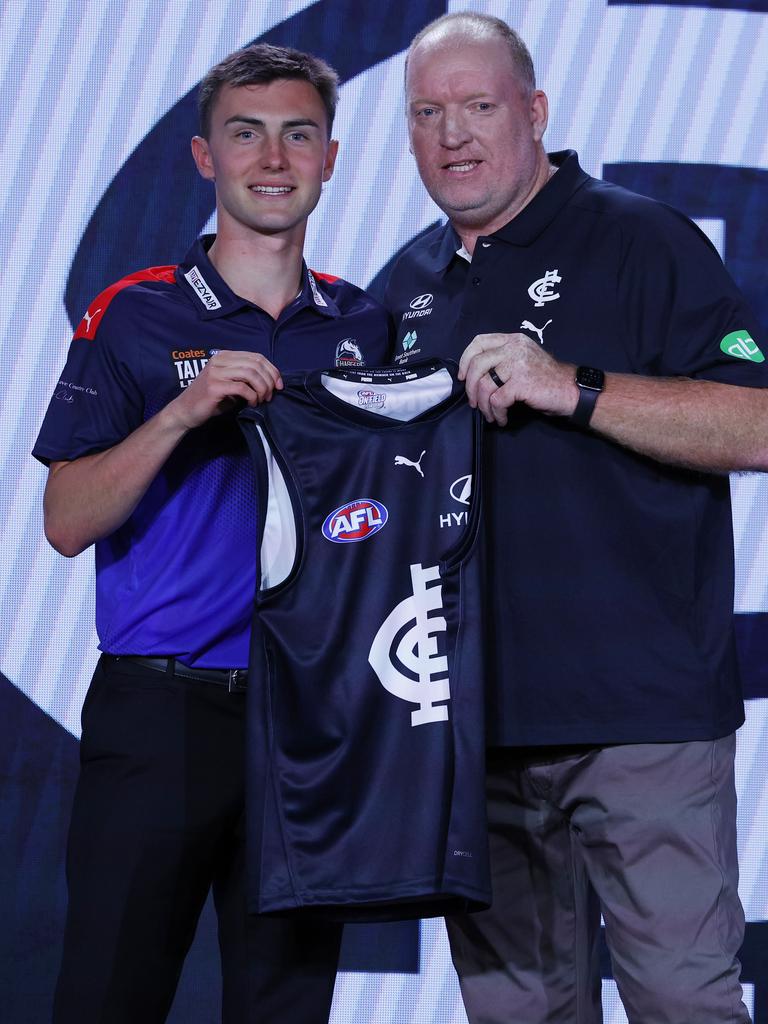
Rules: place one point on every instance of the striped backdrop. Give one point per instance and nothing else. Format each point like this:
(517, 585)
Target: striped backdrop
(96, 98)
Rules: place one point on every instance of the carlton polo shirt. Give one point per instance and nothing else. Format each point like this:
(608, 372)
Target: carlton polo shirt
(178, 578)
(610, 574)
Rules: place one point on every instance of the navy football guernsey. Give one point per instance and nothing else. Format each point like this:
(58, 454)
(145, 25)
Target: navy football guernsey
(367, 739)
(173, 579)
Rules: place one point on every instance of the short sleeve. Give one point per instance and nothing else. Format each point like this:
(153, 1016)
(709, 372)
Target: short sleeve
(98, 399)
(685, 315)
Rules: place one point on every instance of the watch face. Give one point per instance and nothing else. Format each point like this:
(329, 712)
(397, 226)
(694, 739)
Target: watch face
(589, 377)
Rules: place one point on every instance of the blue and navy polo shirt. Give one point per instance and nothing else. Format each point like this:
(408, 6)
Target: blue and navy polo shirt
(178, 578)
(611, 575)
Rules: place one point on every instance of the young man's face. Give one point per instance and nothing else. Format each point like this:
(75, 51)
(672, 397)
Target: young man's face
(268, 152)
(474, 129)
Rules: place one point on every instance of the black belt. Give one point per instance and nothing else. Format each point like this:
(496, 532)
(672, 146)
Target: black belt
(235, 679)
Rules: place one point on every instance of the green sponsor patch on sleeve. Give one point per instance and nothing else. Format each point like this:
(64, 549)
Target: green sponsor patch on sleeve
(741, 346)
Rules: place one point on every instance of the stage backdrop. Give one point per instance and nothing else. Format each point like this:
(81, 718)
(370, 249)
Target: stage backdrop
(97, 101)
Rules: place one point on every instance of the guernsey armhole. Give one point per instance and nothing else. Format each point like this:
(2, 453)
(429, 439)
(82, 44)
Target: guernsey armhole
(400, 401)
(278, 539)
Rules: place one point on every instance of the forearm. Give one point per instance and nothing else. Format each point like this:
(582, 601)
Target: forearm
(699, 424)
(91, 497)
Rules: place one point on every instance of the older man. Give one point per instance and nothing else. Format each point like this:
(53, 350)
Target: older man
(615, 359)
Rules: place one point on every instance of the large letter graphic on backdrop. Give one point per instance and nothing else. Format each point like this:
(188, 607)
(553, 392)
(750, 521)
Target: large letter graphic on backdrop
(736, 195)
(739, 197)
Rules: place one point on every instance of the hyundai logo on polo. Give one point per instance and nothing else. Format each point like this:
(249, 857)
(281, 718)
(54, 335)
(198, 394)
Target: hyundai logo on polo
(357, 520)
(461, 489)
(419, 306)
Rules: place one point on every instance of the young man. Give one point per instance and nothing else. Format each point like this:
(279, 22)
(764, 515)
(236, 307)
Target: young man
(601, 337)
(147, 462)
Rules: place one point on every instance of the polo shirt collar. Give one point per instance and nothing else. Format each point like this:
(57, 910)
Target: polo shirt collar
(532, 220)
(314, 296)
(213, 298)
(444, 248)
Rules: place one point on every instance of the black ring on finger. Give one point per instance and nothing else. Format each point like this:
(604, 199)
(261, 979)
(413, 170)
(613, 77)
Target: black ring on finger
(495, 377)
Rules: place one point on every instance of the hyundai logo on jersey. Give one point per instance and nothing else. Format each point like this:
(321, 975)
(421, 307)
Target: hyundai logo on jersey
(357, 520)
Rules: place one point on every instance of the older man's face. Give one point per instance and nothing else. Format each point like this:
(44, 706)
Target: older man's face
(475, 130)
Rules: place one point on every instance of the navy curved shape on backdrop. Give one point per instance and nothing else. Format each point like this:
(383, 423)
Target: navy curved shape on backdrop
(157, 203)
(736, 195)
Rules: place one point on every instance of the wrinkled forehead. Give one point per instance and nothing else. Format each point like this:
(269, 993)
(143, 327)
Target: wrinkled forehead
(448, 46)
(450, 49)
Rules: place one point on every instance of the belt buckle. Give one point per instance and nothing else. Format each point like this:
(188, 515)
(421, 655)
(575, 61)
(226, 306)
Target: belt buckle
(234, 685)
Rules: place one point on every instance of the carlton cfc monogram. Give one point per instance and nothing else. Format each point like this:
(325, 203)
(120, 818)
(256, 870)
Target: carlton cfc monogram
(426, 682)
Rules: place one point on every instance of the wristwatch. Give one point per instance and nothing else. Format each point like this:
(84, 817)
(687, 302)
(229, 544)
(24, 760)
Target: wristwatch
(590, 383)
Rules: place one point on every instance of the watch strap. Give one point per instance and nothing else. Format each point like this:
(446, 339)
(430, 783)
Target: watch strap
(590, 383)
(585, 406)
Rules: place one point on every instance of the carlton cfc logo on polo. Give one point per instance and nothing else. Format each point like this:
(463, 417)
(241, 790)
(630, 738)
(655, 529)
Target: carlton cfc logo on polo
(404, 653)
(357, 520)
(543, 289)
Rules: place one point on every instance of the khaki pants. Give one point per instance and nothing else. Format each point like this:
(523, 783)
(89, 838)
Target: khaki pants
(645, 833)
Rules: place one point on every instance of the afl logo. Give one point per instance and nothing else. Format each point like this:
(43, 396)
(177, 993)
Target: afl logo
(357, 520)
(421, 301)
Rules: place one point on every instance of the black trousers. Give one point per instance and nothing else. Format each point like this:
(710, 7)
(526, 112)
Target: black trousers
(158, 820)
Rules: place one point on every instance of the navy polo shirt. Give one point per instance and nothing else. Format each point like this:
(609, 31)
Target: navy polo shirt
(611, 575)
(178, 578)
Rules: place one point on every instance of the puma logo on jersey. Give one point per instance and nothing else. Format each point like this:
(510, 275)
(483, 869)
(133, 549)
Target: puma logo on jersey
(404, 653)
(401, 460)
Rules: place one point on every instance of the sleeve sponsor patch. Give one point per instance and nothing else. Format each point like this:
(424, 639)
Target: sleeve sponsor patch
(740, 345)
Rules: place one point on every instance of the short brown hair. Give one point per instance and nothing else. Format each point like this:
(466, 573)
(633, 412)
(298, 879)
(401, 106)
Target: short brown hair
(261, 64)
(483, 26)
